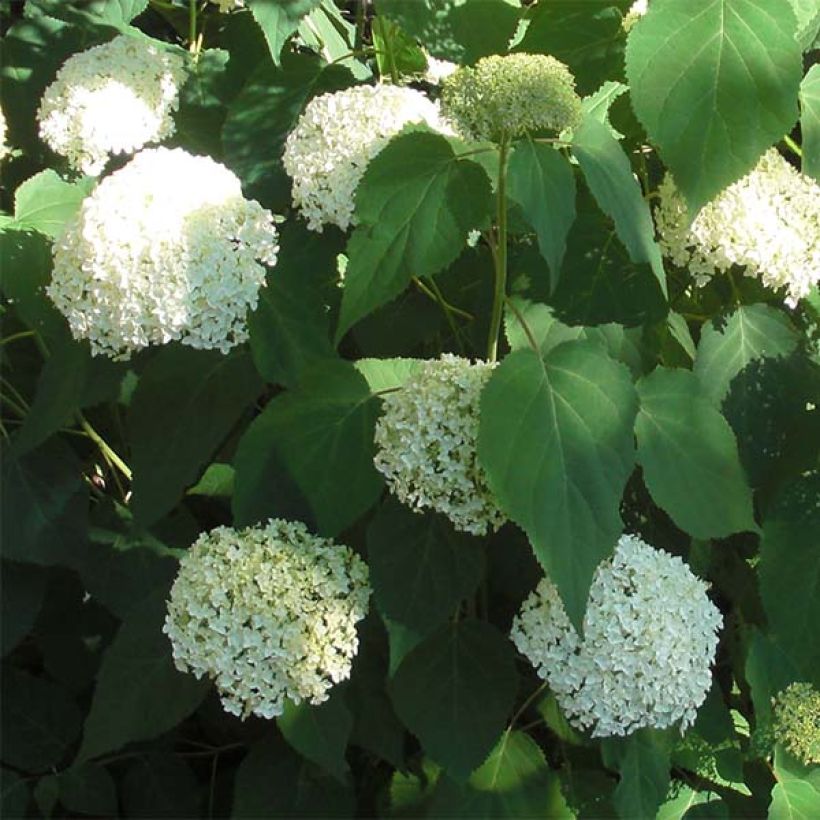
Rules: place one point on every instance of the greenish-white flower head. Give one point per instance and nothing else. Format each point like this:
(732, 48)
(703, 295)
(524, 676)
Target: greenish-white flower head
(650, 637)
(269, 613)
(797, 721)
(111, 99)
(767, 223)
(426, 444)
(164, 249)
(509, 96)
(637, 10)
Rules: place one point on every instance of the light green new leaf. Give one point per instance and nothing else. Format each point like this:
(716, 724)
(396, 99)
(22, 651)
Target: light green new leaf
(420, 567)
(322, 434)
(790, 573)
(689, 457)
(808, 22)
(643, 761)
(455, 690)
(797, 793)
(541, 181)
(387, 374)
(728, 345)
(810, 121)
(609, 176)
(714, 82)
(556, 440)
(45, 202)
(416, 204)
(278, 19)
(139, 692)
(514, 781)
(172, 438)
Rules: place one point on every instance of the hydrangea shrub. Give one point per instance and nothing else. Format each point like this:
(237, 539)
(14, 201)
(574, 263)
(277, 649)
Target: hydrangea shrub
(410, 409)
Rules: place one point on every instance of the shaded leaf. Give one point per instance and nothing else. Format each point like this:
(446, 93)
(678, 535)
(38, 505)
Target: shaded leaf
(278, 19)
(810, 121)
(160, 784)
(21, 594)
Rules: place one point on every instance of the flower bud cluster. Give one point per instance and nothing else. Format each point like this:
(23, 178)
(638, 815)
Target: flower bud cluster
(797, 721)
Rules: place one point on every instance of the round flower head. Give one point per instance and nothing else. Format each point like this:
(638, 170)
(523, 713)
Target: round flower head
(509, 96)
(650, 636)
(337, 135)
(636, 11)
(111, 99)
(164, 249)
(797, 721)
(767, 222)
(269, 613)
(426, 444)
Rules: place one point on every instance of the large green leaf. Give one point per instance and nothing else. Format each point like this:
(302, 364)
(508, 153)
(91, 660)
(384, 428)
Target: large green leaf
(420, 567)
(455, 690)
(21, 595)
(556, 440)
(139, 693)
(715, 83)
(290, 328)
(541, 181)
(609, 176)
(46, 202)
(642, 760)
(790, 573)
(416, 203)
(689, 457)
(88, 789)
(320, 733)
(768, 671)
(173, 436)
(514, 781)
(728, 345)
(162, 785)
(808, 23)
(40, 721)
(797, 793)
(278, 19)
(810, 121)
(264, 112)
(322, 434)
(584, 34)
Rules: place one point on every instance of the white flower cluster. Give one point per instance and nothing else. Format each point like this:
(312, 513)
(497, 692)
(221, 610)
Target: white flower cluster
(650, 636)
(164, 249)
(4, 148)
(268, 612)
(426, 444)
(636, 11)
(767, 222)
(510, 96)
(337, 135)
(438, 70)
(111, 99)
(226, 5)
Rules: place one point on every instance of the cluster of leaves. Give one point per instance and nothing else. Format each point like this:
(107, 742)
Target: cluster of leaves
(624, 399)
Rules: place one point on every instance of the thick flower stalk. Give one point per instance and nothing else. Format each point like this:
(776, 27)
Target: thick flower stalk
(164, 249)
(111, 99)
(767, 223)
(337, 135)
(650, 636)
(506, 97)
(426, 444)
(269, 613)
(797, 721)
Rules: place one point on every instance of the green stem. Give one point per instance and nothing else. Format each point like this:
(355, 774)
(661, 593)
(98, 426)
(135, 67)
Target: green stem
(105, 448)
(361, 19)
(23, 334)
(793, 146)
(500, 257)
(525, 327)
(192, 41)
(434, 293)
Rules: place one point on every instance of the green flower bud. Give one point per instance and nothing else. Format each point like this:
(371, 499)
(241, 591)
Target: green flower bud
(797, 721)
(509, 96)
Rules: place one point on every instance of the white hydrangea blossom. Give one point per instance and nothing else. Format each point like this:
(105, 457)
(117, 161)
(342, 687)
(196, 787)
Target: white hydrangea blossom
(438, 70)
(164, 249)
(636, 11)
(269, 613)
(335, 138)
(111, 99)
(650, 637)
(768, 222)
(426, 444)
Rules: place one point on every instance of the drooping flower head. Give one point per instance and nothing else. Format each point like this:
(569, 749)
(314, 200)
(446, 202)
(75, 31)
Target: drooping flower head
(797, 721)
(111, 99)
(768, 223)
(164, 249)
(269, 613)
(426, 444)
(337, 135)
(511, 96)
(650, 636)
